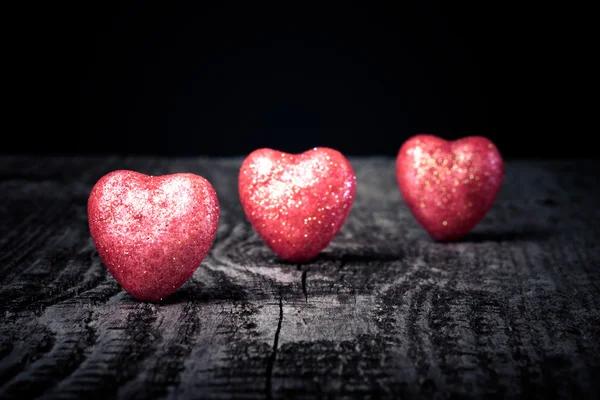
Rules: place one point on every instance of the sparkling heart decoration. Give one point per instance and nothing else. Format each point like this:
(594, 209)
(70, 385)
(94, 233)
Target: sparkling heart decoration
(152, 232)
(449, 186)
(297, 203)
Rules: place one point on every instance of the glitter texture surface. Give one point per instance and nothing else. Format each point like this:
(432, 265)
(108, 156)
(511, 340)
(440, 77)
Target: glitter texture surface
(297, 202)
(152, 232)
(449, 186)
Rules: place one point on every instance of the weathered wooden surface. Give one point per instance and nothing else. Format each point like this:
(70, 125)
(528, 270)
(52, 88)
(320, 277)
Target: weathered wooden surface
(512, 311)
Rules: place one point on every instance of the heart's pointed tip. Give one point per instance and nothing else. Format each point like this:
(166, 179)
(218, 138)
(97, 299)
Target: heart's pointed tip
(446, 239)
(150, 300)
(148, 294)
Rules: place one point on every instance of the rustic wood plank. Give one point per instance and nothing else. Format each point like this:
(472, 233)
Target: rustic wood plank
(385, 312)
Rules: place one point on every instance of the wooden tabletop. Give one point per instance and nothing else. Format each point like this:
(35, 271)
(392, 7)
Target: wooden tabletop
(511, 311)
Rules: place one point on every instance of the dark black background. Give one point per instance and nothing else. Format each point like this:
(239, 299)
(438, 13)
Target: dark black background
(192, 78)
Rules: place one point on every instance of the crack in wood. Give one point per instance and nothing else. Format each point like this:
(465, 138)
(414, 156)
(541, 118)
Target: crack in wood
(304, 273)
(273, 356)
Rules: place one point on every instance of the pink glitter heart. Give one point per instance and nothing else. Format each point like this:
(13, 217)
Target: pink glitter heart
(297, 203)
(152, 232)
(449, 186)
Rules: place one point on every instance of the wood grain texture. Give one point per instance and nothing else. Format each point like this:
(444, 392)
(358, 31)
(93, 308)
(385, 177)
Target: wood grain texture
(512, 311)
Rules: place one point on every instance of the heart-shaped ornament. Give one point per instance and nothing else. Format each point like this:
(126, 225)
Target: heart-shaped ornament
(152, 232)
(449, 186)
(297, 203)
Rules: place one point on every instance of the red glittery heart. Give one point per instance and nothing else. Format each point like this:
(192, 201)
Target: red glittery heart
(449, 186)
(152, 232)
(297, 202)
